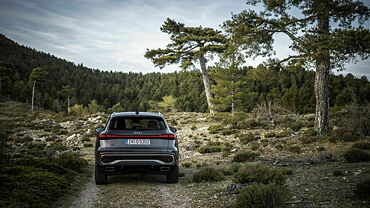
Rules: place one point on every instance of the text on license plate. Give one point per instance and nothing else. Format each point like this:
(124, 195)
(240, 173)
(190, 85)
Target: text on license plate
(138, 141)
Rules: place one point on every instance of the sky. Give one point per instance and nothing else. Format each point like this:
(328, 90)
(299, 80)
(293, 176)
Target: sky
(114, 34)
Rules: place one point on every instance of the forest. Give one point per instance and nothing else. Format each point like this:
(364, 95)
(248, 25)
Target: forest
(58, 80)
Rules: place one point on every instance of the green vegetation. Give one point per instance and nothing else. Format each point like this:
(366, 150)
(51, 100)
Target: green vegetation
(246, 138)
(356, 155)
(38, 182)
(362, 145)
(210, 149)
(259, 195)
(338, 173)
(362, 189)
(208, 174)
(245, 156)
(259, 174)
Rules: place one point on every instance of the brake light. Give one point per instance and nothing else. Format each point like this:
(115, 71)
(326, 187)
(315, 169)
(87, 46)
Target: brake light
(110, 136)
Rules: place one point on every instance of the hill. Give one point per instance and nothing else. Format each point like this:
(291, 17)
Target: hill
(291, 87)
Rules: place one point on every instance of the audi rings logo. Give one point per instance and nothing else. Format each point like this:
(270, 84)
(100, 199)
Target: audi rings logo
(138, 132)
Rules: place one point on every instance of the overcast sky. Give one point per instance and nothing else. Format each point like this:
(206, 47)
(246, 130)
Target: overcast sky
(114, 34)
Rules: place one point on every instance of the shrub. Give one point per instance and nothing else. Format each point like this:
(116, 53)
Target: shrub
(208, 174)
(254, 124)
(259, 174)
(342, 134)
(234, 168)
(362, 189)
(226, 147)
(254, 145)
(85, 139)
(246, 138)
(309, 139)
(262, 196)
(270, 134)
(193, 128)
(228, 131)
(214, 129)
(88, 145)
(356, 155)
(186, 164)
(245, 156)
(38, 182)
(209, 149)
(338, 173)
(294, 149)
(285, 133)
(362, 145)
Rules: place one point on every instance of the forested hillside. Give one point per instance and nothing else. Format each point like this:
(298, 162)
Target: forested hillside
(58, 79)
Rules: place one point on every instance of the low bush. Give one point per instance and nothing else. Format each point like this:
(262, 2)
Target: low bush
(88, 145)
(208, 174)
(246, 138)
(245, 156)
(259, 174)
(262, 196)
(270, 134)
(356, 155)
(342, 134)
(187, 164)
(38, 182)
(252, 124)
(209, 149)
(362, 189)
(234, 168)
(214, 129)
(228, 131)
(362, 145)
(309, 139)
(284, 133)
(294, 149)
(338, 173)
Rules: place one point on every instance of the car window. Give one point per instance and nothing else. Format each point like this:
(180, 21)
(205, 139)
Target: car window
(137, 123)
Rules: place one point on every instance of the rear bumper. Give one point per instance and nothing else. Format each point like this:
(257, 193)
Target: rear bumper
(141, 162)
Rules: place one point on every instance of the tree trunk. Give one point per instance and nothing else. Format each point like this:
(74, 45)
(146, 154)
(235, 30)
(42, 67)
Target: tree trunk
(33, 94)
(68, 106)
(322, 79)
(207, 86)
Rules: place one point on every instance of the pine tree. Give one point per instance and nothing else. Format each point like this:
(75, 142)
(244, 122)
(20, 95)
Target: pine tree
(189, 45)
(313, 39)
(37, 77)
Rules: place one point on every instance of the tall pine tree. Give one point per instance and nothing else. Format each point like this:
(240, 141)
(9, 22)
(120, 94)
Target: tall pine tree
(189, 45)
(323, 34)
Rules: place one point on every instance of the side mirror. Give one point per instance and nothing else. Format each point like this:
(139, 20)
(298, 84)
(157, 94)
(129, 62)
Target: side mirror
(99, 130)
(173, 129)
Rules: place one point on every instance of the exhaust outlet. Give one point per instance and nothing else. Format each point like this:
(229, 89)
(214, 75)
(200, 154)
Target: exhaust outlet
(109, 169)
(164, 168)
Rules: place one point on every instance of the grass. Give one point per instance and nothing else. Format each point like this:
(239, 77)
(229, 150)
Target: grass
(208, 174)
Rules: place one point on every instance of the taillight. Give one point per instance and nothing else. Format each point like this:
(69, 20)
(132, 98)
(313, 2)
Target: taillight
(110, 136)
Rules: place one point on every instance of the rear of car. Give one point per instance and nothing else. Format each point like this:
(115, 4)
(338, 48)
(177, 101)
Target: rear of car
(136, 142)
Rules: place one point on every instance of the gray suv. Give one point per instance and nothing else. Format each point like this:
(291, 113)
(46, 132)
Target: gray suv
(136, 142)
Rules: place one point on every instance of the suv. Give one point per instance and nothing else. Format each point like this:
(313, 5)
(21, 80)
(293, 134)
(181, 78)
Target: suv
(136, 142)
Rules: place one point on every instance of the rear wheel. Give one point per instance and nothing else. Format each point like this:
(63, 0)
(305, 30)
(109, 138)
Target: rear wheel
(100, 177)
(173, 175)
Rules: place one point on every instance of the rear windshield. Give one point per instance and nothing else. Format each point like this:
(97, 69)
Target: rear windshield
(137, 123)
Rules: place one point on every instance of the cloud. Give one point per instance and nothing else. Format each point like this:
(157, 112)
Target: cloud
(114, 34)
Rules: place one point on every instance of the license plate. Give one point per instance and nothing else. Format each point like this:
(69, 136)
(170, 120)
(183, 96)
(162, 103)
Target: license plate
(138, 141)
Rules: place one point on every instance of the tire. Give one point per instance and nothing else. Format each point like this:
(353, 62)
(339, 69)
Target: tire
(101, 177)
(173, 175)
